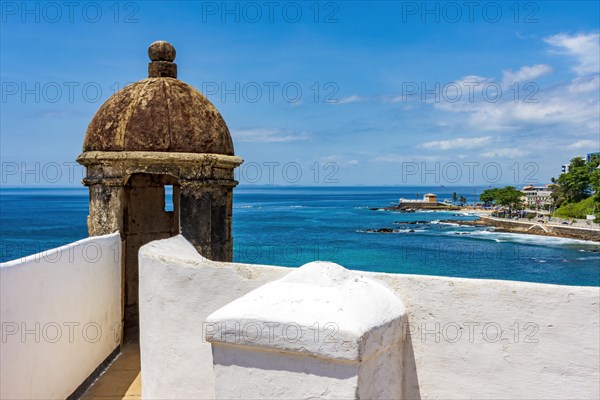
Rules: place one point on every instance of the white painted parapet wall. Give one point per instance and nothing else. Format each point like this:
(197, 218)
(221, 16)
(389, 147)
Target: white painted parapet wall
(178, 290)
(60, 314)
(319, 332)
(465, 338)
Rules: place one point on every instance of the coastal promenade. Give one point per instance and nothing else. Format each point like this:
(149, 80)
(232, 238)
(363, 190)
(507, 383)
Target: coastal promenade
(543, 228)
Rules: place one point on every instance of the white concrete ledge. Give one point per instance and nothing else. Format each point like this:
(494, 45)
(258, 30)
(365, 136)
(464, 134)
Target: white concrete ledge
(320, 309)
(321, 331)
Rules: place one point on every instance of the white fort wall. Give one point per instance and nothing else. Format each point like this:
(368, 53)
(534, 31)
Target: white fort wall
(178, 290)
(60, 315)
(465, 338)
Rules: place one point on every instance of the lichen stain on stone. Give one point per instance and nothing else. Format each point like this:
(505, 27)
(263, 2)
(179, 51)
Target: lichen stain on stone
(246, 273)
(158, 114)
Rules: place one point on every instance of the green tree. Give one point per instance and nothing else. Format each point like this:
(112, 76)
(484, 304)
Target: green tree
(488, 196)
(462, 200)
(558, 196)
(577, 192)
(595, 183)
(594, 167)
(454, 197)
(575, 184)
(594, 162)
(509, 197)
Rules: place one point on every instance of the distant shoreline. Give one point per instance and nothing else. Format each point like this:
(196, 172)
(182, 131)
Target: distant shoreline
(500, 224)
(533, 228)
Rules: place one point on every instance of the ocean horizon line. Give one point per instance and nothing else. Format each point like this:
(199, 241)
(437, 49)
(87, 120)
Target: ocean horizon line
(329, 185)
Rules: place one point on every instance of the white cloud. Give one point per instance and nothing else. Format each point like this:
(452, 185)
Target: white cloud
(585, 48)
(585, 144)
(459, 143)
(570, 108)
(567, 108)
(433, 92)
(349, 99)
(584, 84)
(397, 158)
(339, 160)
(268, 135)
(525, 73)
(396, 99)
(577, 114)
(505, 152)
(473, 80)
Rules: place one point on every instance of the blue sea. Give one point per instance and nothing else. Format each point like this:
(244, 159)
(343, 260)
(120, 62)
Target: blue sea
(294, 225)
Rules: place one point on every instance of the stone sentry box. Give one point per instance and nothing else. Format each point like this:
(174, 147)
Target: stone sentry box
(320, 332)
(154, 133)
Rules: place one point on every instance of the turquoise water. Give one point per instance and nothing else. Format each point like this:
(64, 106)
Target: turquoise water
(294, 225)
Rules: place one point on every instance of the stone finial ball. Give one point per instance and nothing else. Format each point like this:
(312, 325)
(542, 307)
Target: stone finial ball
(161, 51)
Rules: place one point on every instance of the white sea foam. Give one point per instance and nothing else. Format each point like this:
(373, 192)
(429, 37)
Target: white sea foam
(438, 222)
(394, 231)
(501, 237)
(588, 258)
(469, 213)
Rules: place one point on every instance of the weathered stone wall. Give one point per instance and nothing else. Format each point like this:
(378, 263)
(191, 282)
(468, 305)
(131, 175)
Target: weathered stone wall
(127, 195)
(576, 233)
(207, 221)
(145, 220)
(107, 203)
(204, 186)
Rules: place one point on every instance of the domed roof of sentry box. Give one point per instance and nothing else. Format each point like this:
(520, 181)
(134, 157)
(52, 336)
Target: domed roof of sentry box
(160, 113)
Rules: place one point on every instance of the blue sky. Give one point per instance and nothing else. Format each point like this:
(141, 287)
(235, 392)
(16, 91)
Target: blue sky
(327, 93)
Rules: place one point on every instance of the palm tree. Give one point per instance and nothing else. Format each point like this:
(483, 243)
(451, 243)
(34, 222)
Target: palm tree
(462, 200)
(454, 197)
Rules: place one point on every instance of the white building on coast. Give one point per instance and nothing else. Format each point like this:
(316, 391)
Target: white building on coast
(538, 196)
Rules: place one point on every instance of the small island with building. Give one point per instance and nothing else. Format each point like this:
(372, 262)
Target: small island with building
(428, 202)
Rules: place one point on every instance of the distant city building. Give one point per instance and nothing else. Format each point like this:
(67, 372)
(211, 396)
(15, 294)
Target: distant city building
(589, 156)
(538, 195)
